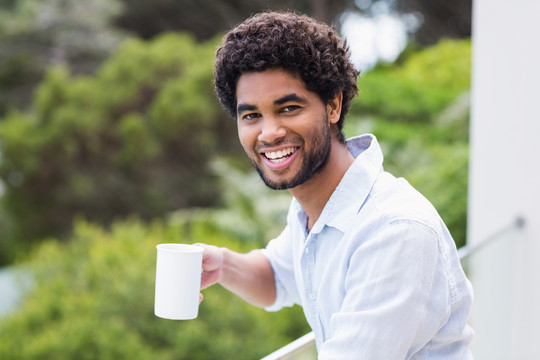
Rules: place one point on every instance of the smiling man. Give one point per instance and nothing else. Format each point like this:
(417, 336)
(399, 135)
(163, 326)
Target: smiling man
(366, 256)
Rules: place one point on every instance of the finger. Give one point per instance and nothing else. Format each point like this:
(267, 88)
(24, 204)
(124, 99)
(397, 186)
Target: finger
(207, 251)
(209, 278)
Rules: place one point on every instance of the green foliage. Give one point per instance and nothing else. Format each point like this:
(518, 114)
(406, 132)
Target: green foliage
(420, 88)
(205, 19)
(35, 34)
(93, 299)
(134, 138)
(419, 111)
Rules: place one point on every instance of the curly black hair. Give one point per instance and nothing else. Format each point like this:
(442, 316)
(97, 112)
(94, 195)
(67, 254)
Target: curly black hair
(294, 42)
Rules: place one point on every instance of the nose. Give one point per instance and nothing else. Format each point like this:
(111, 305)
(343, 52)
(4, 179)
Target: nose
(271, 130)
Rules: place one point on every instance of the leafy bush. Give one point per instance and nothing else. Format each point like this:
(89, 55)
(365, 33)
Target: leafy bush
(421, 87)
(93, 299)
(136, 138)
(35, 34)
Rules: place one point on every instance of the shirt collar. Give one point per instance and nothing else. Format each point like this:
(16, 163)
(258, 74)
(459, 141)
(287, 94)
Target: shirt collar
(355, 185)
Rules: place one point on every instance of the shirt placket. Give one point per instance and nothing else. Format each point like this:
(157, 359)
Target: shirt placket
(310, 292)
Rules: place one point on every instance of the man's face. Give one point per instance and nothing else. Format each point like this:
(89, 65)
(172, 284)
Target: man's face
(283, 127)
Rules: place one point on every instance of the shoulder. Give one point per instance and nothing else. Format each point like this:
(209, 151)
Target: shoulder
(396, 214)
(394, 200)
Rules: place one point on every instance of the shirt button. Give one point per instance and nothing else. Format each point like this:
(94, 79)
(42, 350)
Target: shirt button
(313, 296)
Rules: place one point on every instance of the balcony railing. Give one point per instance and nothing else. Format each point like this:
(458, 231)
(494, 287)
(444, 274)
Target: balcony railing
(303, 348)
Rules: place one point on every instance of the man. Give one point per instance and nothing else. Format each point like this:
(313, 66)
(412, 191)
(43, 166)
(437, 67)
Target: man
(366, 256)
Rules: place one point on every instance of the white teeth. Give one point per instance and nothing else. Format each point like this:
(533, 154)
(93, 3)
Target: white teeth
(279, 155)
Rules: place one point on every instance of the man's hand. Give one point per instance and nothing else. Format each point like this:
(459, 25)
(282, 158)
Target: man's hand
(249, 276)
(212, 266)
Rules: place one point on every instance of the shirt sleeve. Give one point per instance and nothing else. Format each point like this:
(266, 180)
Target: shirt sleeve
(279, 252)
(392, 307)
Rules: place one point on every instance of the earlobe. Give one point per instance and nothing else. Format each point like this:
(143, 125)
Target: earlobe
(334, 108)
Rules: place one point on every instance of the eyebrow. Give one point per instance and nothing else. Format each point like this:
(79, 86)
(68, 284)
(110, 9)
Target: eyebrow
(245, 107)
(290, 97)
(282, 100)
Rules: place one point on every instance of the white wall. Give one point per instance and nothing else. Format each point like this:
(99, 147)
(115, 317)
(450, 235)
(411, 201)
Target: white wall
(504, 179)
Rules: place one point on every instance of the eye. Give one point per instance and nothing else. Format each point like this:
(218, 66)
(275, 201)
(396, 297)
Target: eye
(250, 116)
(290, 108)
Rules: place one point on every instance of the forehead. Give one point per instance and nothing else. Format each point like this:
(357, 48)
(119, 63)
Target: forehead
(266, 86)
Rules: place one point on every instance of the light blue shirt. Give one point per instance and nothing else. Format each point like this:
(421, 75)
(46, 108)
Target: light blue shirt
(378, 275)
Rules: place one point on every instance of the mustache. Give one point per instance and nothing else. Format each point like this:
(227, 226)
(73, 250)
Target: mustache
(280, 142)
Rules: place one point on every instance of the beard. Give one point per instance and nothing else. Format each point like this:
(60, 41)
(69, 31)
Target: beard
(312, 163)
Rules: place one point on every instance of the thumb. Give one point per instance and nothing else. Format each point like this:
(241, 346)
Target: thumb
(212, 265)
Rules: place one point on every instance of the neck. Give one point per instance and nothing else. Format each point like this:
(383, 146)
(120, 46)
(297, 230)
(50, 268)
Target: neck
(315, 193)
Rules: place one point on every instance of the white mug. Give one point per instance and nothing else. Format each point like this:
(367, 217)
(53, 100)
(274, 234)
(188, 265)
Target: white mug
(178, 281)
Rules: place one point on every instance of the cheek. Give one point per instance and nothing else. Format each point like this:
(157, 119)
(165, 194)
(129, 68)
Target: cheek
(318, 129)
(247, 136)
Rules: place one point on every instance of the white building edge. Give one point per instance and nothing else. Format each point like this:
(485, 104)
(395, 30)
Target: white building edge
(504, 179)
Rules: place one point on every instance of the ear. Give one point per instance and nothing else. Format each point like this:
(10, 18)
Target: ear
(333, 108)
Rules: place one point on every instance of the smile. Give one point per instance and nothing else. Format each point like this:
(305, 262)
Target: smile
(279, 156)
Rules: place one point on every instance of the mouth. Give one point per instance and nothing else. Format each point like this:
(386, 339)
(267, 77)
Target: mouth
(277, 157)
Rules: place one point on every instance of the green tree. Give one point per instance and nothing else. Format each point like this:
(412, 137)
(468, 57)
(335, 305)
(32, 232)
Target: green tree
(206, 19)
(35, 34)
(436, 19)
(419, 86)
(93, 299)
(134, 138)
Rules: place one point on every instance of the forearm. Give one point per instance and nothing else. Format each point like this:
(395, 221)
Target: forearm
(249, 276)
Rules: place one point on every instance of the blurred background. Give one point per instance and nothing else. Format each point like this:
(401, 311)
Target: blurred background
(112, 141)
